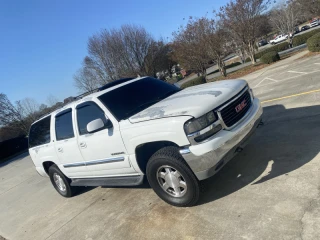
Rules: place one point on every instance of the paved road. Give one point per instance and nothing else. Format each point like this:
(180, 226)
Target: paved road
(217, 74)
(270, 45)
(213, 68)
(269, 191)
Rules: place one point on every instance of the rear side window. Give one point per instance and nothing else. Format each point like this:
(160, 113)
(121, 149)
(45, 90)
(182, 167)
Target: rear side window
(87, 112)
(64, 127)
(40, 132)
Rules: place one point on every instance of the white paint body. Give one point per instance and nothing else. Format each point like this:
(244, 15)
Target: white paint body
(163, 121)
(279, 38)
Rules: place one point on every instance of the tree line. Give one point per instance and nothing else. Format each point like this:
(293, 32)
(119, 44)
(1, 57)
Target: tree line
(16, 118)
(131, 51)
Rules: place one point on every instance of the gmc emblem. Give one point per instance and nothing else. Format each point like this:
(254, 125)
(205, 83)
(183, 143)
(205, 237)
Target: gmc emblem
(241, 106)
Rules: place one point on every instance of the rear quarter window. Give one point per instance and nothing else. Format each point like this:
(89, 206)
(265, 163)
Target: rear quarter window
(40, 132)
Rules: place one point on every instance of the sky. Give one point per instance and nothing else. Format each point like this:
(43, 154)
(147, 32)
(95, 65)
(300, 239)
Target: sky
(42, 43)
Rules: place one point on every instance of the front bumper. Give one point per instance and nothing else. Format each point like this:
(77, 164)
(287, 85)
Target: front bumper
(208, 158)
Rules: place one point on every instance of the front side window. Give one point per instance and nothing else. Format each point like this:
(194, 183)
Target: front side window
(40, 132)
(64, 127)
(126, 101)
(87, 112)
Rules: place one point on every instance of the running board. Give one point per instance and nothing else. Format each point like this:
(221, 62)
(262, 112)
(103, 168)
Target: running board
(109, 181)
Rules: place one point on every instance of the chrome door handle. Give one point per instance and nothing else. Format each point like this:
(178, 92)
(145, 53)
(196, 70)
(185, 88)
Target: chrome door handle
(83, 144)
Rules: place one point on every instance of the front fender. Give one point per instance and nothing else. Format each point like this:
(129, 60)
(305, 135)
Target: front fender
(165, 129)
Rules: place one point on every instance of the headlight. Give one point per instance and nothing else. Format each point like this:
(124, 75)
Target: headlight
(197, 124)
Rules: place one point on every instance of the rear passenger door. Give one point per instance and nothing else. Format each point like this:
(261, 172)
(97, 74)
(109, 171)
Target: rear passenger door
(66, 146)
(103, 150)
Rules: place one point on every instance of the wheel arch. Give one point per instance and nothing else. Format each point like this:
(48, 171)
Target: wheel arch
(144, 151)
(46, 165)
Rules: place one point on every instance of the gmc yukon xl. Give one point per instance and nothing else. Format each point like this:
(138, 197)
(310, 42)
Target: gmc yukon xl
(132, 128)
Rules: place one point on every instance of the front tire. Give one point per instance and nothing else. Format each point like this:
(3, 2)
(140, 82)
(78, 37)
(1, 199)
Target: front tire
(60, 182)
(172, 179)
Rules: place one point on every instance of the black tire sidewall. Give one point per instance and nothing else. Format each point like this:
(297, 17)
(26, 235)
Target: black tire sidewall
(54, 169)
(192, 184)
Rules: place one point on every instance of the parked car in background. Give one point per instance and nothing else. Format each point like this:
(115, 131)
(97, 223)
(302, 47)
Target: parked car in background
(140, 127)
(315, 22)
(304, 28)
(279, 38)
(262, 42)
(296, 30)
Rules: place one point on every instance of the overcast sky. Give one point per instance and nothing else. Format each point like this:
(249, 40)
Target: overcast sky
(42, 43)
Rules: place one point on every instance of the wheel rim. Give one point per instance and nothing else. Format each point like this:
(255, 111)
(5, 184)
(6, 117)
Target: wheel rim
(171, 181)
(59, 182)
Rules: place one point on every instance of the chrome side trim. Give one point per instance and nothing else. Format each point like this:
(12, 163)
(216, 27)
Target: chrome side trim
(74, 165)
(108, 160)
(95, 162)
(222, 107)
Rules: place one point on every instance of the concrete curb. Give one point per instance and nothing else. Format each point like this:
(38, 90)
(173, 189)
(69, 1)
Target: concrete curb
(291, 50)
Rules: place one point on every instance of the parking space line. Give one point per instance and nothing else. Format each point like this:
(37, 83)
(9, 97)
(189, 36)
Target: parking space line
(271, 79)
(290, 96)
(267, 78)
(297, 72)
(317, 63)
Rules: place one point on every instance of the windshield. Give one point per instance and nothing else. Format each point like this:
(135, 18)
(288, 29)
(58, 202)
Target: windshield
(128, 100)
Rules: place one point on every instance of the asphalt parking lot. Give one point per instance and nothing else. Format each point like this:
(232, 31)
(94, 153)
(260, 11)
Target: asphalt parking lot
(269, 191)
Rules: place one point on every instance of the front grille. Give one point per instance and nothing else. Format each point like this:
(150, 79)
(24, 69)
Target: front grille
(236, 110)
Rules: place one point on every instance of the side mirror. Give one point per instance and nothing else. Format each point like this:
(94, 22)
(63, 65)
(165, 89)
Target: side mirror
(95, 125)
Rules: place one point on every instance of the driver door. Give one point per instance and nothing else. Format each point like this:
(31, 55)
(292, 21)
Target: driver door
(103, 150)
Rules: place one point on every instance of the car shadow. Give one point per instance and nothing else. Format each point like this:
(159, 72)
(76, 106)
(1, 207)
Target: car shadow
(288, 140)
(14, 159)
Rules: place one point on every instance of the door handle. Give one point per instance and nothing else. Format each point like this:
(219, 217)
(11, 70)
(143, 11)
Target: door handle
(83, 144)
(60, 149)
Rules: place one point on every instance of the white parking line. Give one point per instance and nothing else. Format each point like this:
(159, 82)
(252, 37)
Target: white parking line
(267, 78)
(317, 63)
(297, 72)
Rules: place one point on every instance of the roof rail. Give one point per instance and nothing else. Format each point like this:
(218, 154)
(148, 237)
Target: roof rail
(108, 85)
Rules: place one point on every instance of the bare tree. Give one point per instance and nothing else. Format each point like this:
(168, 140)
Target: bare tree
(126, 52)
(241, 19)
(85, 80)
(52, 100)
(12, 115)
(285, 16)
(201, 41)
(29, 108)
(216, 42)
(309, 8)
(188, 49)
(158, 58)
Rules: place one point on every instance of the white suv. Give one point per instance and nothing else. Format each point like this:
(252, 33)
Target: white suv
(144, 126)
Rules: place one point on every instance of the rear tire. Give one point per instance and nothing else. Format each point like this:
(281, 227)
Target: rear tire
(60, 182)
(172, 179)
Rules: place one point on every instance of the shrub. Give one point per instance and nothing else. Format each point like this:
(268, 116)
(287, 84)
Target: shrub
(248, 60)
(301, 39)
(277, 48)
(314, 43)
(194, 82)
(270, 57)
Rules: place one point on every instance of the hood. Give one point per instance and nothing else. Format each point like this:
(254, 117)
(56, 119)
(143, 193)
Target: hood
(193, 101)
